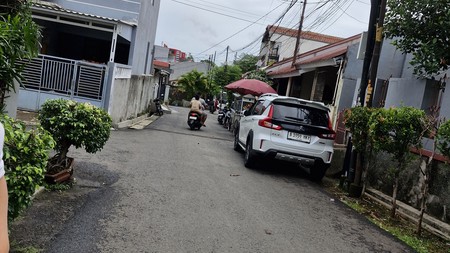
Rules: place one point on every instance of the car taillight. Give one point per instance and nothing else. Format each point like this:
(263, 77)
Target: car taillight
(331, 135)
(267, 123)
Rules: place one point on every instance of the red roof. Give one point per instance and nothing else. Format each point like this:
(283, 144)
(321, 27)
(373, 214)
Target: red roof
(161, 64)
(305, 34)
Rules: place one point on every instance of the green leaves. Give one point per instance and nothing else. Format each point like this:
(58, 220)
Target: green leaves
(396, 130)
(247, 62)
(193, 82)
(443, 135)
(19, 40)
(357, 120)
(420, 28)
(78, 124)
(25, 157)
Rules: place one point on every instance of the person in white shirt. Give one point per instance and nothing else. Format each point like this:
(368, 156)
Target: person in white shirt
(4, 240)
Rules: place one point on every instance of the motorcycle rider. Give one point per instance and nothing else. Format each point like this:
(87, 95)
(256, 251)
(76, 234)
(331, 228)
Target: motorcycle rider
(197, 106)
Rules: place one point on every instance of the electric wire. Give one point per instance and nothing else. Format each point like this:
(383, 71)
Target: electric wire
(240, 30)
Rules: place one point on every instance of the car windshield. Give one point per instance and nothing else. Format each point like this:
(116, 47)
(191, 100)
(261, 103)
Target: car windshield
(300, 114)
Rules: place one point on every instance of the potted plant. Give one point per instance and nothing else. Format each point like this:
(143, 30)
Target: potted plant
(72, 124)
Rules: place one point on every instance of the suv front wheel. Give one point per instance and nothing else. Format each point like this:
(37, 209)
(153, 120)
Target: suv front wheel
(249, 158)
(236, 146)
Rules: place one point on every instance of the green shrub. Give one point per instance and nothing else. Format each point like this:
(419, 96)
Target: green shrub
(25, 157)
(73, 123)
(443, 136)
(357, 120)
(396, 131)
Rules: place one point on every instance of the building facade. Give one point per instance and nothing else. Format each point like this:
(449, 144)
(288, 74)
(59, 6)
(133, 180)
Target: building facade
(89, 49)
(278, 43)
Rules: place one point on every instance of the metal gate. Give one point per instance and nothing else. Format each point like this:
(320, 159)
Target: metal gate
(48, 77)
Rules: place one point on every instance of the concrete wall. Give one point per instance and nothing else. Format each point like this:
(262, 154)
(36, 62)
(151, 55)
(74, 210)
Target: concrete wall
(130, 97)
(391, 61)
(405, 92)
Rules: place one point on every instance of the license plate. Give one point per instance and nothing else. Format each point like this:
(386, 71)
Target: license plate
(299, 137)
(192, 117)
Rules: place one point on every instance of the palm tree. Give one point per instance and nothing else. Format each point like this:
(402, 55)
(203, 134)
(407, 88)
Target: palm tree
(192, 83)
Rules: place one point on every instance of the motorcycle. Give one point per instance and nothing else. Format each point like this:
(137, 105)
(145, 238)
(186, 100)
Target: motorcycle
(159, 110)
(227, 119)
(194, 121)
(221, 115)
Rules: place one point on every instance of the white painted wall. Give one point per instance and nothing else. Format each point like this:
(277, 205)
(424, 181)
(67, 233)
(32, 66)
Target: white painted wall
(130, 97)
(288, 45)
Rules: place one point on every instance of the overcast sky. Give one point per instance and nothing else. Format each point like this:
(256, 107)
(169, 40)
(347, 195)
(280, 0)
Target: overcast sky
(201, 27)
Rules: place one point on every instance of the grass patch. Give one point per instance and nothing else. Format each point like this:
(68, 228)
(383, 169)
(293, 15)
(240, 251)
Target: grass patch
(16, 248)
(400, 228)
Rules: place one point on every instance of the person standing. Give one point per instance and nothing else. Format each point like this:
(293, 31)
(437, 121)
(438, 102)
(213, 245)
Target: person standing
(4, 239)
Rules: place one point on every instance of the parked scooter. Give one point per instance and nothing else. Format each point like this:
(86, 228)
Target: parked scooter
(227, 119)
(221, 115)
(194, 121)
(159, 110)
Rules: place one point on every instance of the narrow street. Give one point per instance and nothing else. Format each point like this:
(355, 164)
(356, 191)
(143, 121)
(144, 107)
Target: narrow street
(169, 189)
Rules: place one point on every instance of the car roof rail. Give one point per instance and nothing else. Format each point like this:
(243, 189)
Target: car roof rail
(269, 95)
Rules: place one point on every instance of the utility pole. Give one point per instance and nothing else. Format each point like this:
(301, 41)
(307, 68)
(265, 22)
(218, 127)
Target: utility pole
(356, 187)
(225, 72)
(299, 33)
(374, 11)
(376, 52)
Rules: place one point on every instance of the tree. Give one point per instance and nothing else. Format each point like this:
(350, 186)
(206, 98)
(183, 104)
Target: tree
(19, 40)
(396, 131)
(421, 28)
(357, 119)
(193, 82)
(222, 75)
(246, 62)
(258, 75)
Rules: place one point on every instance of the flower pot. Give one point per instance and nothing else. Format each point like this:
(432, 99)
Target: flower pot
(63, 175)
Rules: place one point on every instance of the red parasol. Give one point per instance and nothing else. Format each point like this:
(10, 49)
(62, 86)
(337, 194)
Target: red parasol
(250, 86)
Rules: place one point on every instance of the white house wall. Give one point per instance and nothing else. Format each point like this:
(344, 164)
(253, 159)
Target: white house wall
(288, 45)
(142, 49)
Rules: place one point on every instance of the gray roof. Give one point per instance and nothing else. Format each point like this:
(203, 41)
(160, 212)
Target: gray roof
(43, 5)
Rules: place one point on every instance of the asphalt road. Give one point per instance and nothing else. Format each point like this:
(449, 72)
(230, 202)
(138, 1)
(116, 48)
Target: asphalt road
(169, 189)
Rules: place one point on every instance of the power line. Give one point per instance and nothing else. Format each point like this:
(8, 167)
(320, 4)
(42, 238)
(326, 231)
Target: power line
(226, 7)
(240, 30)
(216, 12)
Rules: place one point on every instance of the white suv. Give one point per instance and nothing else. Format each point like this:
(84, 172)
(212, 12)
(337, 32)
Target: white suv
(289, 129)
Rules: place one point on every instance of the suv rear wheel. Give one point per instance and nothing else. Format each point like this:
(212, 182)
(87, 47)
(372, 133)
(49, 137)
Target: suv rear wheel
(317, 172)
(249, 158)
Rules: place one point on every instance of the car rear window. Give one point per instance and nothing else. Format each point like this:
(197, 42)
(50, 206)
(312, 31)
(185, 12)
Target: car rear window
(300, 114)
